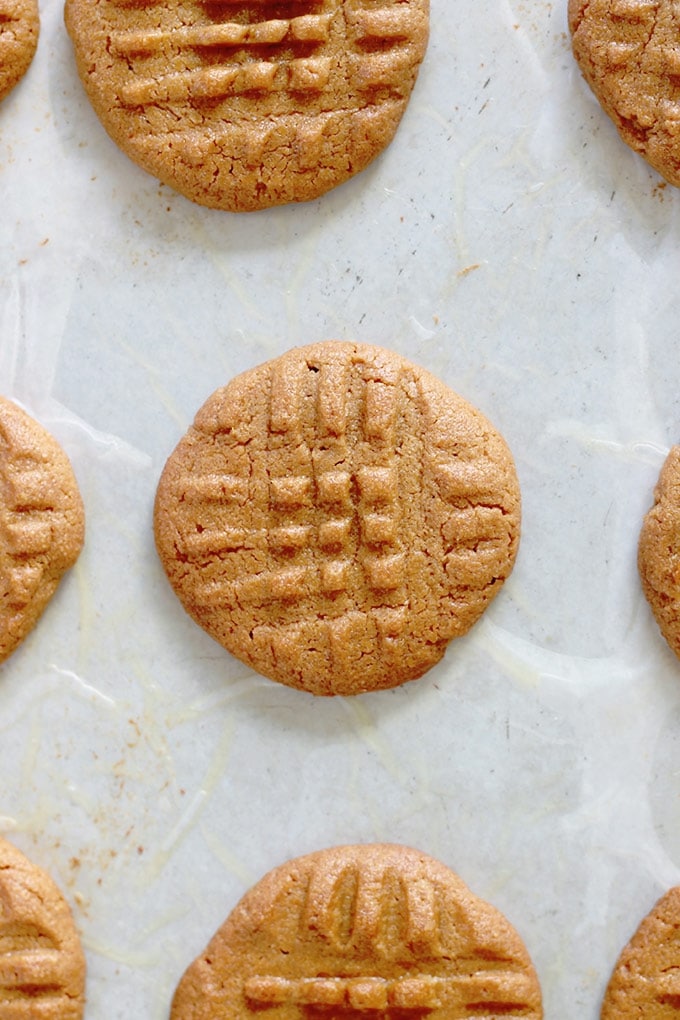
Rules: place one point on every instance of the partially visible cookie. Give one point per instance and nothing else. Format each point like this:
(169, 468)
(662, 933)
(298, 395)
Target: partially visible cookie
(377, 930)
(41, 522)
(243, 105)
(659, 551)
(645, 983)
(629, 53)
(42, 967)
(336, 516)
(19, 26)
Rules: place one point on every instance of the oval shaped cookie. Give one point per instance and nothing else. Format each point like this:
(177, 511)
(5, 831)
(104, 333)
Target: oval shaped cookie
(629, 53)
(19, 27)
(373, 930)
(241, 105)
(42, 967)
(645, 983)
(336, 516)
(659, 551)
(42, 522)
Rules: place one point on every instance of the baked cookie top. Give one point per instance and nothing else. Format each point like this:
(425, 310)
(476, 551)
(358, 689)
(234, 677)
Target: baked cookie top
(659, 551)
(42, 967)
(374, 930)
(19, 27)
(244, 105)
(645, 983)
(42, 522)
(336, 516)
(629, 53)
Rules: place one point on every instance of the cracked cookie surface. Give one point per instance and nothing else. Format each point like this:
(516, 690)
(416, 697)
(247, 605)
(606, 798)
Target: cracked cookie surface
(377, 930)
(629, 53)
(42, 967)
(42, 522)
(336, 516)
(243, 105)
(19, 27)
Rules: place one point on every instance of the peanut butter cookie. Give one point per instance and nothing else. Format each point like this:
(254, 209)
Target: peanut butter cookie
(336, 516)
(42, 967)
(19, 27)
(645, 984)
(629, 53)
(41, 522)
(659, 551)
(246, 105)
(377, 931)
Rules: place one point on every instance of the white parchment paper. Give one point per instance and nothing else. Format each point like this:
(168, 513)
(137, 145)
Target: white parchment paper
(509, 242)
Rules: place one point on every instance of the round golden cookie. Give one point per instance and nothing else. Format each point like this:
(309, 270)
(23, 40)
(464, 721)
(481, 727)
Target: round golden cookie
(377, 930)
(19, 27)
(629, 53)
(243, 105)
(659, 551)
(336, 516)
(645, 983)
(42, 522)
(42, 967)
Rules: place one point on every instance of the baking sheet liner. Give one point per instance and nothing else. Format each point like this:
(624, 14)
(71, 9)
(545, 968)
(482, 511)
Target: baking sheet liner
(508, 242)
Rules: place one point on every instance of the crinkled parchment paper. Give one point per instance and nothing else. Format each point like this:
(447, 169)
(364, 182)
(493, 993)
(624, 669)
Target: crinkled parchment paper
(509, 242)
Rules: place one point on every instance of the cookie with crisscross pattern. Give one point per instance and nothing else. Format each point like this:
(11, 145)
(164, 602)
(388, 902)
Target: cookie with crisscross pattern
(336, 516)
(19, 27)
(42, 967)
(42, 522)
(659, 551)
(645, 984)
(242, 105)
(629, 53)
(353, 932)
